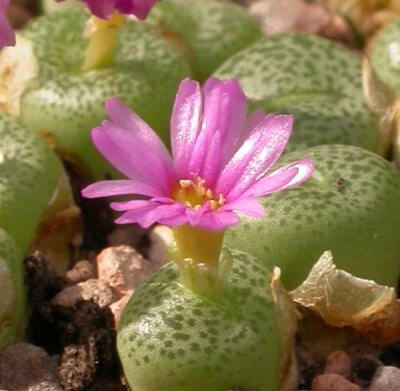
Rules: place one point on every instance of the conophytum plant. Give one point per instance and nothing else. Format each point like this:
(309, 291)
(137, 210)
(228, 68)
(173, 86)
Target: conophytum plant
(213, 318)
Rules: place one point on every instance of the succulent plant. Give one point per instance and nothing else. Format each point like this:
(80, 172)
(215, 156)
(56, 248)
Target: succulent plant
(29, 175)
(142, 65)
(385, 56)
(211, 31)
(64, 103)
(215, 319)
(13, 295)
(382, 83)
(50, 6)
(316, 80)
(33, 187)
(172, 339)
(349, 206)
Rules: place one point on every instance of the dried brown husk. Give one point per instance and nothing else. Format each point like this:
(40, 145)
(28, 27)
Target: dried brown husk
(287, 318)
(342, 299)
(60, 231)
(18, 66)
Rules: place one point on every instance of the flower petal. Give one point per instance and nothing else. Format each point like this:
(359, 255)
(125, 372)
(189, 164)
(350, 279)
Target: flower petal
(121, 115)
(104, 8)
(118, 187)
(185, 124)
(161, 213)
(132, 156)
(137, 210)
(101, 8)
(225, 109)
(259, 152)
(284, 178)
(247, 206)
(141, 7)
(7, 36)
(194, 215)
(218, 220)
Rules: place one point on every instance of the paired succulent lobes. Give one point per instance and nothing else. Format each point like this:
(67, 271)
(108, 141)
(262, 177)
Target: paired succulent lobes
(211, 31)
(13, 296)
(65, 103)
(33, 191)
(172, 339)
(314, 79)
(29, 173)
(350, 206)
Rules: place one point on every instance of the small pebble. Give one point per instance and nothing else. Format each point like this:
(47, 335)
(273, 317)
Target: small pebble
(25, 367)
(338, 363)
(332, 382)
(386, 379)
(92, 289)
(117, 308)
(122, 268)
(82, 271)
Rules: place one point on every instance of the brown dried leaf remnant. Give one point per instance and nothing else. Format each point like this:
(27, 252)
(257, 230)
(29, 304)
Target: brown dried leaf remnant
(341, 299)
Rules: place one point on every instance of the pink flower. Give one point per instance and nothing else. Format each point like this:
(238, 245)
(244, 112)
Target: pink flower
(219, 164)
(104, 8)
(7, 37)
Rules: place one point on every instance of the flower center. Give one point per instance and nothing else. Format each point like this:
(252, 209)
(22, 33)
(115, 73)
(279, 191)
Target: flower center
(194, 194)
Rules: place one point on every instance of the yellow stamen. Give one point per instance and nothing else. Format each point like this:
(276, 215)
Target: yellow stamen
(102, 36)
(185, 183)
(195, 194)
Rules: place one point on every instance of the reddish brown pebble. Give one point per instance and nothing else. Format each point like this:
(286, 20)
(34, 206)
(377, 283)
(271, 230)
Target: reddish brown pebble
(92, 289)
(25, 367)
(332, 382)
(338, 363)
(82, 271)
(122, 268)
(117, 308)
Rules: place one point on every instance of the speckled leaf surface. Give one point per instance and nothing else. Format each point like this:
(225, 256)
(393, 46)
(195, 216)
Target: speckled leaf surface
(29, 173)
(317, 81)
(212, 30)
(13, 295)
(66, 103)
(350, 206)
(385, 55)
(171, 339)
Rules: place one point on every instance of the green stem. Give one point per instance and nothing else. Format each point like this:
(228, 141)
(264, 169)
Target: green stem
(203, 264)
(102, 36)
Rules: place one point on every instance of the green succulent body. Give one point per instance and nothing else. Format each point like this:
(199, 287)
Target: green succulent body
(66, 103)
(385, 55)
(13, 295)
(49, 6)
(350, 206)
(211, 30)
(29, 174)
(172, 339)
(317, 81)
